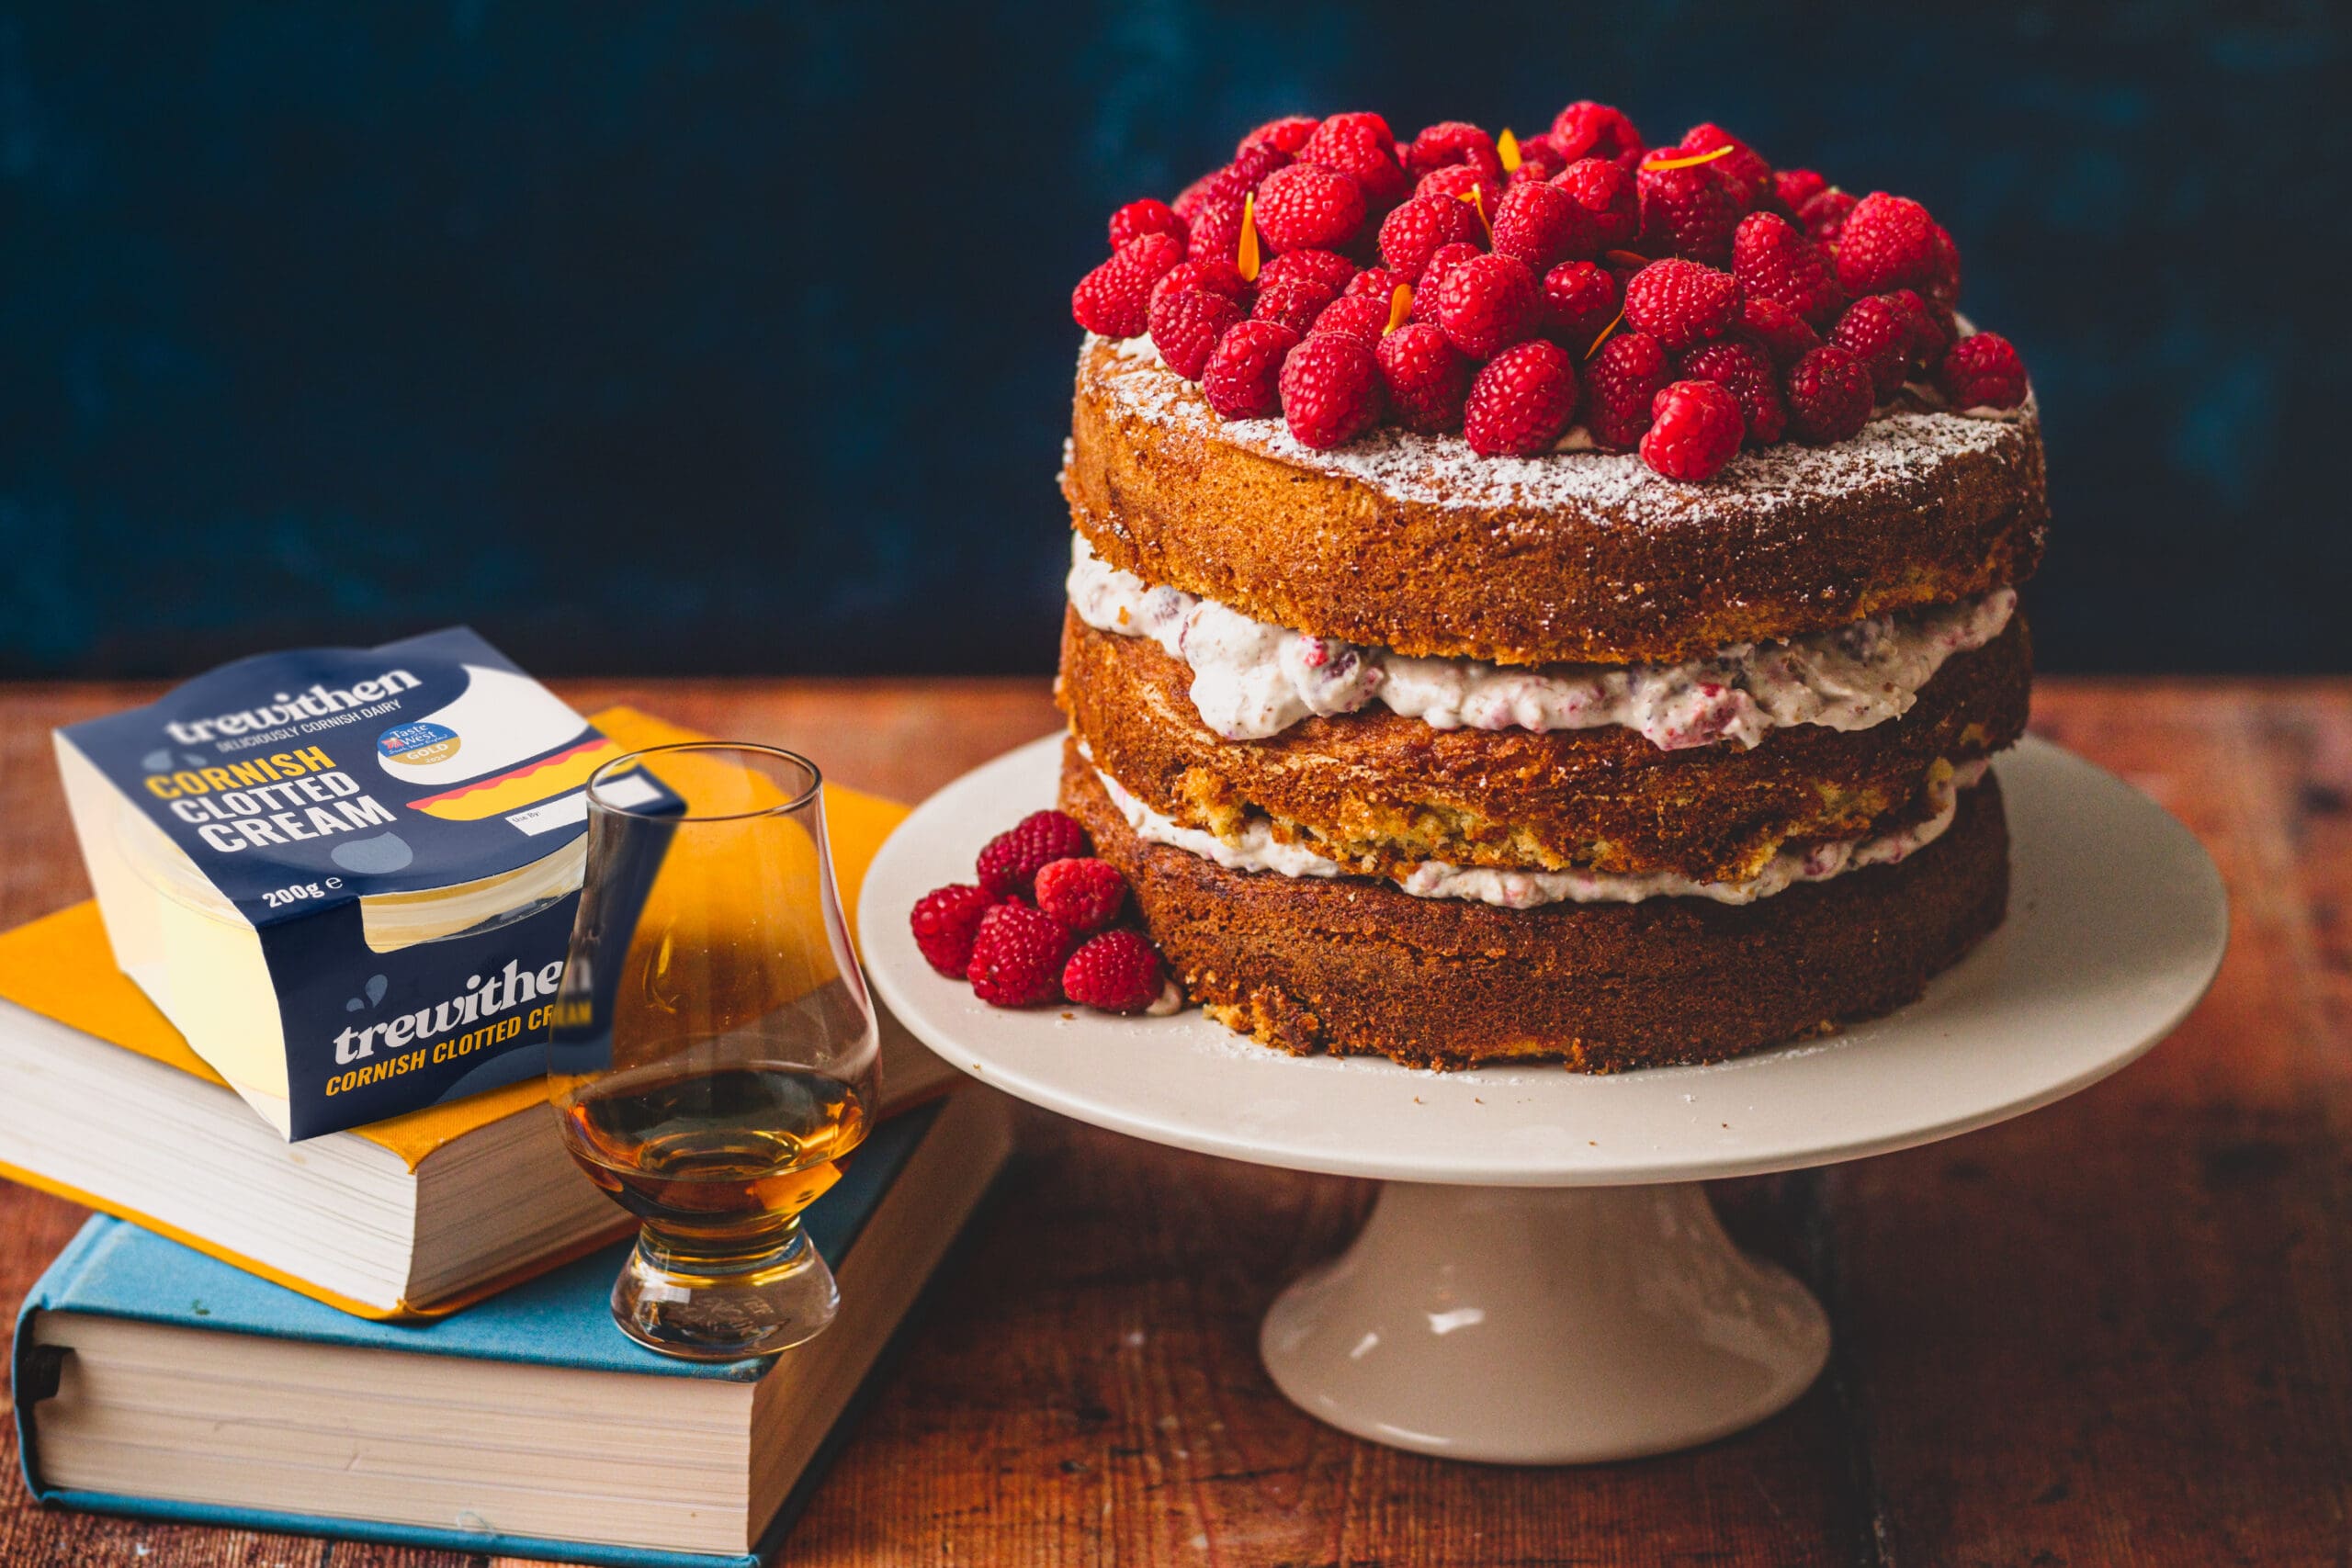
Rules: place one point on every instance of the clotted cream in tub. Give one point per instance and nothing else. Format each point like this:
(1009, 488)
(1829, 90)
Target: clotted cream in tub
(346, 874)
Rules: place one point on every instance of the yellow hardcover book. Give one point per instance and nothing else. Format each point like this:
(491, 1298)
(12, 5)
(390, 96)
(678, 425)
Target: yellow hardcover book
(414, 1216)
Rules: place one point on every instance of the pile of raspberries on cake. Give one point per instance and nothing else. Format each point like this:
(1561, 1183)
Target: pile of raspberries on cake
(1044, 923)
(1684, 301)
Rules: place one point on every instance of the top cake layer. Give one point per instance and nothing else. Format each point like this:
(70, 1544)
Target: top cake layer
(1413, 543)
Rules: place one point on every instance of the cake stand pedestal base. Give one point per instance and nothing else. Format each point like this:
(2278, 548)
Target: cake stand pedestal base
(1544, 1325)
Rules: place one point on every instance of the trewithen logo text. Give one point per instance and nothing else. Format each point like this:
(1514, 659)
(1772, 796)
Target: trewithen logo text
(489, 1012)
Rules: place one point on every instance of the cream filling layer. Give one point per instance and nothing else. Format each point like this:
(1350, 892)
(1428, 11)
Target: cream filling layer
(1251, 680)
(1257, 850)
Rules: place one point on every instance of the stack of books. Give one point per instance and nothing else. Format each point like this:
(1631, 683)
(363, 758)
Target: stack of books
(399, 1331)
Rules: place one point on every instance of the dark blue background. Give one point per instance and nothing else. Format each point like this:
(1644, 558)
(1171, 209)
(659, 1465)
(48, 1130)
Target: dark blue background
(712, 337)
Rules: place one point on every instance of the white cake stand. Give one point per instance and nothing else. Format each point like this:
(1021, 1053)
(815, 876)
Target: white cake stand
(1542, 1281)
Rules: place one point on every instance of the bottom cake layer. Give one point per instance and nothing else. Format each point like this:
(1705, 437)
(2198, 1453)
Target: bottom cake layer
(1353, 965)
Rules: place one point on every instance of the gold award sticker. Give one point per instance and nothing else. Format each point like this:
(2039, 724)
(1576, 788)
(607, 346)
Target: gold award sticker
(418, 743)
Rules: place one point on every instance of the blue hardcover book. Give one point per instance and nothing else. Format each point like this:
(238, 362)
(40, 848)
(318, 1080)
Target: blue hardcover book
(153, 1379)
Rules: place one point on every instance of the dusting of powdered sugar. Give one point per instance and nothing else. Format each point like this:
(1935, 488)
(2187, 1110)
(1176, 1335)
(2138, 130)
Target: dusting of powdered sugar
(1902, 446)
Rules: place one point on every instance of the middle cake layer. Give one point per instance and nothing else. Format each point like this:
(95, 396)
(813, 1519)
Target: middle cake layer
(1380, 792)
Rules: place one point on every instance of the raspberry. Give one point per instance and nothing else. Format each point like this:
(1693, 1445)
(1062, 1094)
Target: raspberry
(1412, 233)
(1543, 225)
(1929, 337)
(1185, 327)
(1538, 159)
(1330, 389)
(1609, 194)
(1240, 379)
(1451, 142)
(1361, 316)
(1011, 860)
(1485, 303)
(1307, 207)
(1082, 893)
(1587, 129)
(1447, 258)
(1215, 276)
(1829, 396)
(1879, 332)
(1458, 181)
(1943, 276)
(1689, 211)
(1117, 971)
(1017, 957)
(1289, 133)
(1746, 372)
(1772, 261)
(1680, 303)
(1115, 300)
(1293, 301)
(1983, 371)
(1823, 215)
(1797, 186)
(1888, 242)
(1779, 330)
(1748, 170)
(1215, 234)
(943, 920)
(1426, 377)
(1579, 299)
(1328, 268)
(1622, 382)
(1188, 201)
(1248, 171)
(1695, 426)
(1361, 147)
(1145, 217)
(1520, 402)
(1380, 281)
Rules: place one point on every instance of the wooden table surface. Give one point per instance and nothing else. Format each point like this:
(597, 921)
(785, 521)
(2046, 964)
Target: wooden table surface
(2118, 1330)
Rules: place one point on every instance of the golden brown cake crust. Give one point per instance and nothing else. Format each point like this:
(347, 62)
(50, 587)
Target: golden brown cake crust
(1353, 966)
(1411, 543)
(1375, 789)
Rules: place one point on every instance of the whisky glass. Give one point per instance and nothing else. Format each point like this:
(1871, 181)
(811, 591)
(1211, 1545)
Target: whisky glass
(712, 1049)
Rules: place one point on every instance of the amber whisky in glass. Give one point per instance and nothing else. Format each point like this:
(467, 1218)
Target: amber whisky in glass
(713, 1049)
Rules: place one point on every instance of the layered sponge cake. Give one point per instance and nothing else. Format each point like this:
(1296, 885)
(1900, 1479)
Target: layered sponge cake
(1435, 705)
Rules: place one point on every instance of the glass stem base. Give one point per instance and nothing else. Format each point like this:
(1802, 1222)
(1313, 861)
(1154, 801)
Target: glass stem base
(680, 1299)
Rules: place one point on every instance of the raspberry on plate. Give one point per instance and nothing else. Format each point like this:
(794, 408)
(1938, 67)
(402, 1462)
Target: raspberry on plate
(1330, 389)
(1009, 862)
(1485, 303)
(1117, 971)
(1017, 957)
(1981, 371)
(1082, 893)
(1426, 376)
(1681, 303)
(1622, 382)
(944, 922)
(1240, 378)
(1521, 401)
(1830, 395)
(1186, 326)
(1695, 427)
